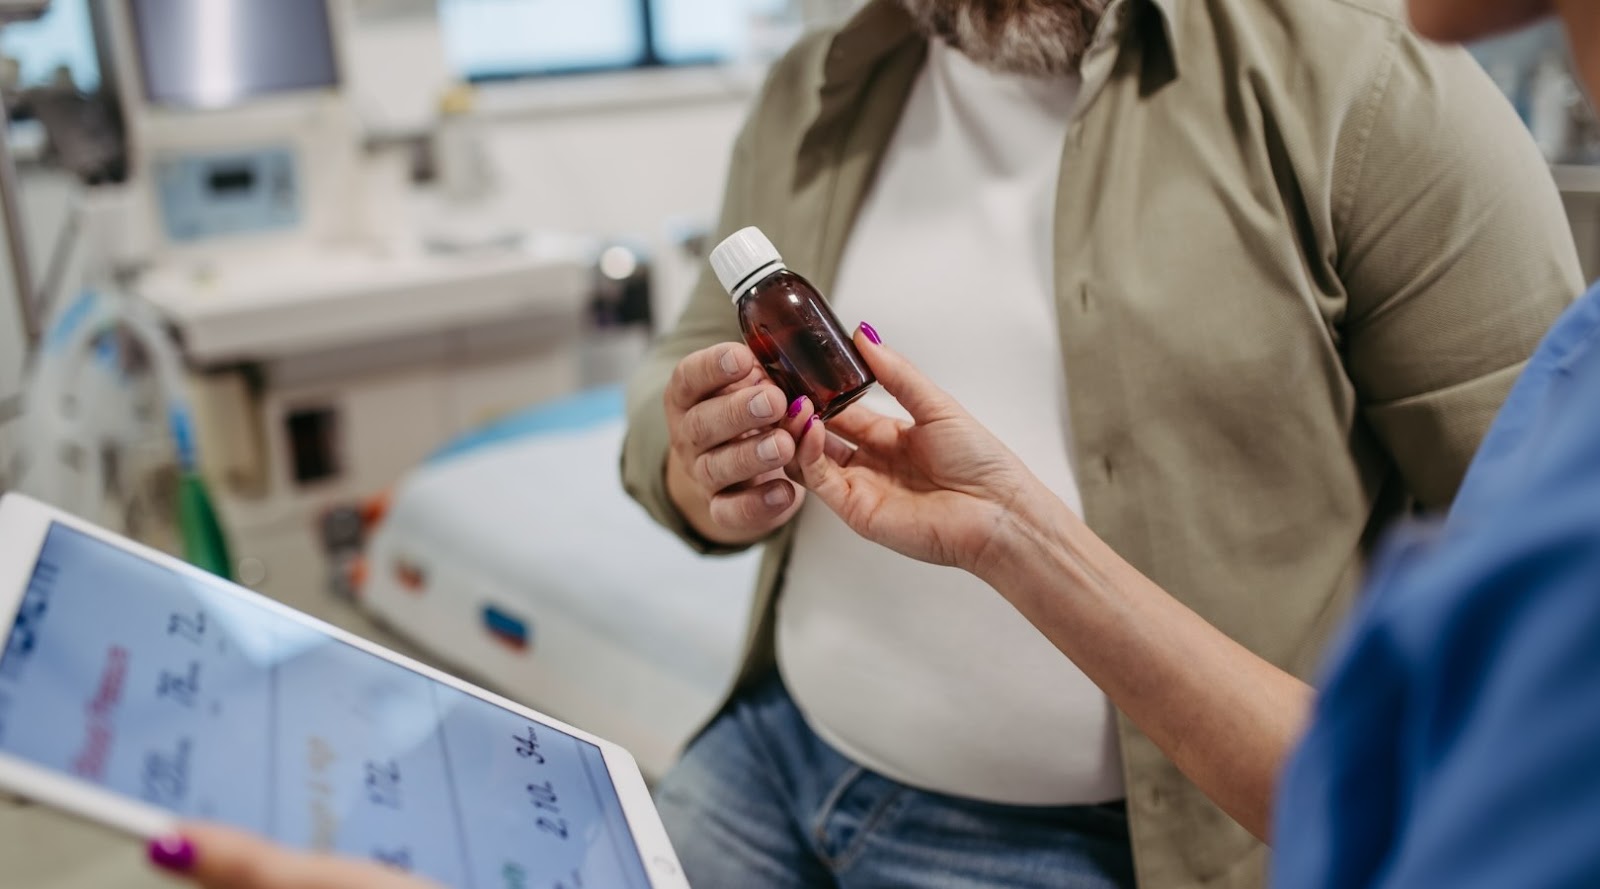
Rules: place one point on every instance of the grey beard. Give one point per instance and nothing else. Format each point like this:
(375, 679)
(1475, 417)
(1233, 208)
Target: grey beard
(1033, 37)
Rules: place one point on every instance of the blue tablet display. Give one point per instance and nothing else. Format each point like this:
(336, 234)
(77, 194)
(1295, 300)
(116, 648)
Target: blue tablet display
(186, 694)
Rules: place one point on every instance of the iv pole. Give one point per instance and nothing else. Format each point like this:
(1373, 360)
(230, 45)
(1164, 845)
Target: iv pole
(10, 194)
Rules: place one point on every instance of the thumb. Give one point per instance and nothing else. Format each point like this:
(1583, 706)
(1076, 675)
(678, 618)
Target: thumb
(223, 858)
(818, 471)
(916, 393)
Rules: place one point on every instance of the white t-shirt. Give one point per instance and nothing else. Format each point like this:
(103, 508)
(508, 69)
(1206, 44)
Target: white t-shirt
(925, 674)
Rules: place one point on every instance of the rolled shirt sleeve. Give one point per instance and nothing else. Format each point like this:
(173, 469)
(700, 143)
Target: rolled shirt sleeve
(1456, 254)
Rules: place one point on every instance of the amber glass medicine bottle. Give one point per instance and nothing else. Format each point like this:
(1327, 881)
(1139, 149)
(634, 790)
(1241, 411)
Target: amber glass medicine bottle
(789, 326)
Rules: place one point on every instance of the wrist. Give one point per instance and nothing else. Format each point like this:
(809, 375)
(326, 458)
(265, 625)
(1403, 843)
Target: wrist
(1034, 537)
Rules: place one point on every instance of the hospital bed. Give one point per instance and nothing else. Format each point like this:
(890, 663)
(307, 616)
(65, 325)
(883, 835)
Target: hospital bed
(514, 555)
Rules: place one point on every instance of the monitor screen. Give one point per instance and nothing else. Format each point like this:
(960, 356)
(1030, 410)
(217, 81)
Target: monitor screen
(62, 38)
(190, 695)
(216, 53)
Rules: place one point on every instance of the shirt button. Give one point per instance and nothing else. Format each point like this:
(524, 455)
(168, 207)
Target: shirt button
(1154, 799)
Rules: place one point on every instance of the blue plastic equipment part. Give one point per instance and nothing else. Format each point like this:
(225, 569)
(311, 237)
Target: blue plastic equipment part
(581, 411)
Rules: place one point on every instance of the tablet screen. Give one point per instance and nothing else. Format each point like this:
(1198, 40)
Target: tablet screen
(180, 692)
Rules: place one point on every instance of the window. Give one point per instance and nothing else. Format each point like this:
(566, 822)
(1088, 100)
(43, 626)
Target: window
(497, 39)
(62, 37)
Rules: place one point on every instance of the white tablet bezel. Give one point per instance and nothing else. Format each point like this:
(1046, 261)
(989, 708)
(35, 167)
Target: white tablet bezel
(24, 524)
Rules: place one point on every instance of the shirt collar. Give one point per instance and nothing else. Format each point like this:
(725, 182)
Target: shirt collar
(884, 26)
(880, 28)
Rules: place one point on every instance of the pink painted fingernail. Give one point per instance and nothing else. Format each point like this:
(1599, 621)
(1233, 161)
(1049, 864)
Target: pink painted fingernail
(172, 853)
(809, 424)
(872, 333)
(796, 406)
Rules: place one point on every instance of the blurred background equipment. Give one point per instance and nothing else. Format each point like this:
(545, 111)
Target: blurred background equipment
(241, 133)
(107, 429)
(328, 347)
(53, 91)
(1533, 68)
(18, 324)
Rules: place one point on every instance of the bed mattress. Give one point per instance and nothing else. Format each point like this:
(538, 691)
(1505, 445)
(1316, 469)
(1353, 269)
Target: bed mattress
(515, 556)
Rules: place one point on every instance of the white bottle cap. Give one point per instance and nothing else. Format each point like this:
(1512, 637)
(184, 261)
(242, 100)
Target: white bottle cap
(743, 259)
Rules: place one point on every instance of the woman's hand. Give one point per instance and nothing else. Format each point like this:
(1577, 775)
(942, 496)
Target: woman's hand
(940, 489)
(220, 858)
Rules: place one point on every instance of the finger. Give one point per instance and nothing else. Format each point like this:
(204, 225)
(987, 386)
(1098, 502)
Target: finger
(867, 427)
(765, 505)
(754, 378)
(841, 452)
(797, 416)
(838, 449)
(223, 858)
(797, 428)
(743, 460)
(900, 378)
(818, 472)
(724, 418)
(703, 373)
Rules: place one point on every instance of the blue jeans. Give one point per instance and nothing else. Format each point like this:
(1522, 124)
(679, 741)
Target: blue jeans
(760, 802)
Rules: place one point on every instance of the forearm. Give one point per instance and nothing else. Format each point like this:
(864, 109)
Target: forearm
(1227, 718)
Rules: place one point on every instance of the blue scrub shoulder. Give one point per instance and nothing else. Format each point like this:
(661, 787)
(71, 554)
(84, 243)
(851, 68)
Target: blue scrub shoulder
(1468, 681)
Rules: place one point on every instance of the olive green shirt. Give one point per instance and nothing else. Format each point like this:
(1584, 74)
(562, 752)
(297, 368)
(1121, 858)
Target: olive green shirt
(1300, 258)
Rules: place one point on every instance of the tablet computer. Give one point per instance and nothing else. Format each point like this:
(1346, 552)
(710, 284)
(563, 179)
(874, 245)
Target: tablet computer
(136, 690)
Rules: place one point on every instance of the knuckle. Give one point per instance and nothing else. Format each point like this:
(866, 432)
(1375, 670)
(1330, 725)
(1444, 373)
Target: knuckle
(678, 383)
(703, 469)
(694, 430)
(715, 424)
(689, 376)
(743, 460)
(731, 465)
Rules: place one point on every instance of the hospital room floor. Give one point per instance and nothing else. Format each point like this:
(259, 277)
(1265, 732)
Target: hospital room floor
(42, 849)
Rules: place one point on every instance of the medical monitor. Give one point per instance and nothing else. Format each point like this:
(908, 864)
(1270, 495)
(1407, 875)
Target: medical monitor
(205, 54)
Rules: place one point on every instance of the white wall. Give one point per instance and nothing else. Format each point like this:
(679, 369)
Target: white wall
(617, 171)
(611, 155)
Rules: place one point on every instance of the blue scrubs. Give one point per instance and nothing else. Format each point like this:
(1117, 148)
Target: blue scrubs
(1456, 742)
